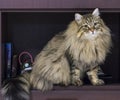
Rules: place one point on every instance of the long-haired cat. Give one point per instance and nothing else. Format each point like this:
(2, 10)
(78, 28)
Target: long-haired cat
(71, 54)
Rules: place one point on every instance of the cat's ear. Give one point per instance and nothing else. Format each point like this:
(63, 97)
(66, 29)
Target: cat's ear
(78, 18)
(96, 12)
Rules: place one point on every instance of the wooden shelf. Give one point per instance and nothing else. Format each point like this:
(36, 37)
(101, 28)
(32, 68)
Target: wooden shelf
(59, 4)
(86, 92)
(108, 92)
(88, 87)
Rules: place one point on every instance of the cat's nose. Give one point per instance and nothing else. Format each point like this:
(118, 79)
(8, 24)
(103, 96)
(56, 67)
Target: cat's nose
(92, 30)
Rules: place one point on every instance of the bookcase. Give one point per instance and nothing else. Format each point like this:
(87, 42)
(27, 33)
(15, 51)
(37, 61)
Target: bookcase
(29, 24)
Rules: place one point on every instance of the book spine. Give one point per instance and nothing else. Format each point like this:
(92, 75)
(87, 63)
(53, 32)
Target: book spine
(8, 47)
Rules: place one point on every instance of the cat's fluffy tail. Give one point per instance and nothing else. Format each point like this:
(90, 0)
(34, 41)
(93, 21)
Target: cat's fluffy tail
(17, 88)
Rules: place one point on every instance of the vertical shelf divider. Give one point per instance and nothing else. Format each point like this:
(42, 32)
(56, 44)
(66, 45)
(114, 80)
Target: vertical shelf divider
(0, 47)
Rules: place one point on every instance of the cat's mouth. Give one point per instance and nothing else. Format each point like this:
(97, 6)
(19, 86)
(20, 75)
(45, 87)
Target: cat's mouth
(92, 34)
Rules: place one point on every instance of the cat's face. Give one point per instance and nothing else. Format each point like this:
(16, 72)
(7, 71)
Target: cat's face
(90, 25)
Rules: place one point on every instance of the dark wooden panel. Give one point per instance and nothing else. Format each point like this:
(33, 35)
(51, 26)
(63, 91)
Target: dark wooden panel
(76, 95)
(0, 48)
(110, 87)
(1, 97)
(58, 4)
(106, 92)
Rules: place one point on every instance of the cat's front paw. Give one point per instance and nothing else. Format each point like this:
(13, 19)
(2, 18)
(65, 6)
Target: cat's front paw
(98, 82)
(77, 82)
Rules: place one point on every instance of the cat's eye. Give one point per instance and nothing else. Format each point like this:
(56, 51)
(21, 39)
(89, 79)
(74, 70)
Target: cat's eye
(85, 26)
(96, 23)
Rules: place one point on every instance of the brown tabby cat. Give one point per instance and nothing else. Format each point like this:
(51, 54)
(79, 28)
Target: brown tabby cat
(66, 58)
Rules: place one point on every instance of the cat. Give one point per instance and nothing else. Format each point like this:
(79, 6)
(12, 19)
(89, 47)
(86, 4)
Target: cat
(66, 58)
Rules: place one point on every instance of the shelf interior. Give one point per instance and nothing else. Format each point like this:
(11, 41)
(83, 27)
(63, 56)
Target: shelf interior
(32, 30)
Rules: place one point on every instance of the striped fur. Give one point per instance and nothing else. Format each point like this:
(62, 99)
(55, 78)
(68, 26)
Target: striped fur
(17, 88)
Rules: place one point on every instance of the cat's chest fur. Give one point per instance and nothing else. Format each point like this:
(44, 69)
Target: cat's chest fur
(88, 52)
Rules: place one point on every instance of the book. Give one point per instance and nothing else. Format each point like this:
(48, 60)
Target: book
(8, 53)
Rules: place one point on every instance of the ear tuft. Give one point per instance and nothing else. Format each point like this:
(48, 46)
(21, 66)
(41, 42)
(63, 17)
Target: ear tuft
(78, 17)
(96, 12)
